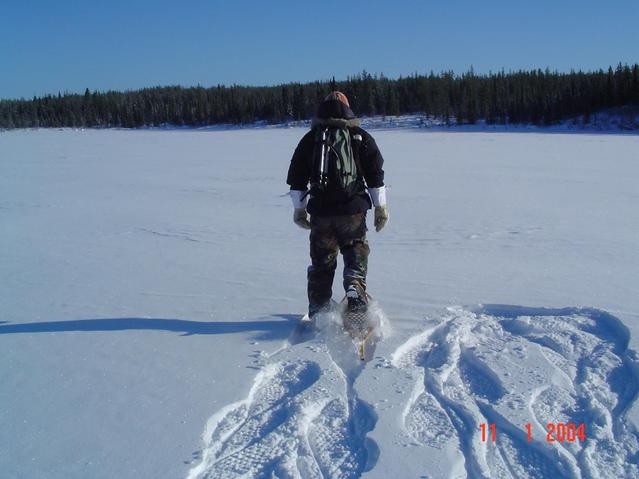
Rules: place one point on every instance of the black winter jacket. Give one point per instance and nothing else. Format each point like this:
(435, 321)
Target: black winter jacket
(370, 159)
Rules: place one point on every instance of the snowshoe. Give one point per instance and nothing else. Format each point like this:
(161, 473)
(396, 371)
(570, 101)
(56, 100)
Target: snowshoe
(356, 320)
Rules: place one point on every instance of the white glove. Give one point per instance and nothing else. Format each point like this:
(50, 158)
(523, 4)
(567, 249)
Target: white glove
(381, 217)
(378, 196)
(299, 198)
(301, 218)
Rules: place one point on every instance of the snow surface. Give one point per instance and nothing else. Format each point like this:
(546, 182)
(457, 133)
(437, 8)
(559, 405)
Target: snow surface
(622, 120)
(152, 281)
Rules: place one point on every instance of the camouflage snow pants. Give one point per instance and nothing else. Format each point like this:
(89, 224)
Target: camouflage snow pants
(329, 235)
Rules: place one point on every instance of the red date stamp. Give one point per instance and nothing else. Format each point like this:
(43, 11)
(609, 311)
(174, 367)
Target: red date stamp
(555, 432)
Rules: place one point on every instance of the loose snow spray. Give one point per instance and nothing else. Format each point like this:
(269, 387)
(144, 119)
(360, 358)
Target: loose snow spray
(383, 326)
(330, 330)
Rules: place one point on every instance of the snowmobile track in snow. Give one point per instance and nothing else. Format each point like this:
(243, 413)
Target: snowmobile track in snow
(502, 365)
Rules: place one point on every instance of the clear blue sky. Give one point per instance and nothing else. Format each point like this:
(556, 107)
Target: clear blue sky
(48, 46)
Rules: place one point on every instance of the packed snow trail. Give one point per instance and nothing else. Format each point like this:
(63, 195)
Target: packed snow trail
(502, 365)
(510, 366)
(302, 417)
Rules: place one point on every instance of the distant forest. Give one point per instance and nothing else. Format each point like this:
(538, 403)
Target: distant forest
(532, 97)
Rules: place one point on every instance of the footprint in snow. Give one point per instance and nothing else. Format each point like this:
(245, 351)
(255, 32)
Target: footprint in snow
(299, 420)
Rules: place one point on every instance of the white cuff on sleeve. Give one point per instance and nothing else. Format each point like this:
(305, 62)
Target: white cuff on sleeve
(298, 201)
(378, 195)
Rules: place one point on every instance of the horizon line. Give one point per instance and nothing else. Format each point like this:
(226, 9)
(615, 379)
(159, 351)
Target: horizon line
(376, 75)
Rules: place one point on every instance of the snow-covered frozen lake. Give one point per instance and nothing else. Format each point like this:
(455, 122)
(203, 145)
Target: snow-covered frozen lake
(151, 282)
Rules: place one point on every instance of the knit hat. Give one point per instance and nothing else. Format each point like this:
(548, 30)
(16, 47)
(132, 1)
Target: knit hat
(339, 96)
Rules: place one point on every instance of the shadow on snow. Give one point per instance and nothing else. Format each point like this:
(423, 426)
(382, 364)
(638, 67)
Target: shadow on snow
(267, 329)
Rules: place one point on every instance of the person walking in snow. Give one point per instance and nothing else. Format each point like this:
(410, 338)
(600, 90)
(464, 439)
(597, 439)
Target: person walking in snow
(343, 165)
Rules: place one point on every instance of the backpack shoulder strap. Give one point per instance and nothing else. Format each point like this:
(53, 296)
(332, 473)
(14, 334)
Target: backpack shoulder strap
(356, 143)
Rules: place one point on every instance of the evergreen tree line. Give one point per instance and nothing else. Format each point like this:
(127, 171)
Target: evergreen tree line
(536, 97)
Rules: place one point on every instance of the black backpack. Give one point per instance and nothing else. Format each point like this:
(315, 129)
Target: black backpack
(335, 173)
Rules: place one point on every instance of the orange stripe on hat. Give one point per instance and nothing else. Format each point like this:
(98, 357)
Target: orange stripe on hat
(339, 96)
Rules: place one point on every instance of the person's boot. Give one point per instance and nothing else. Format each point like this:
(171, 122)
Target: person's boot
(356, 300)
(315, 309)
